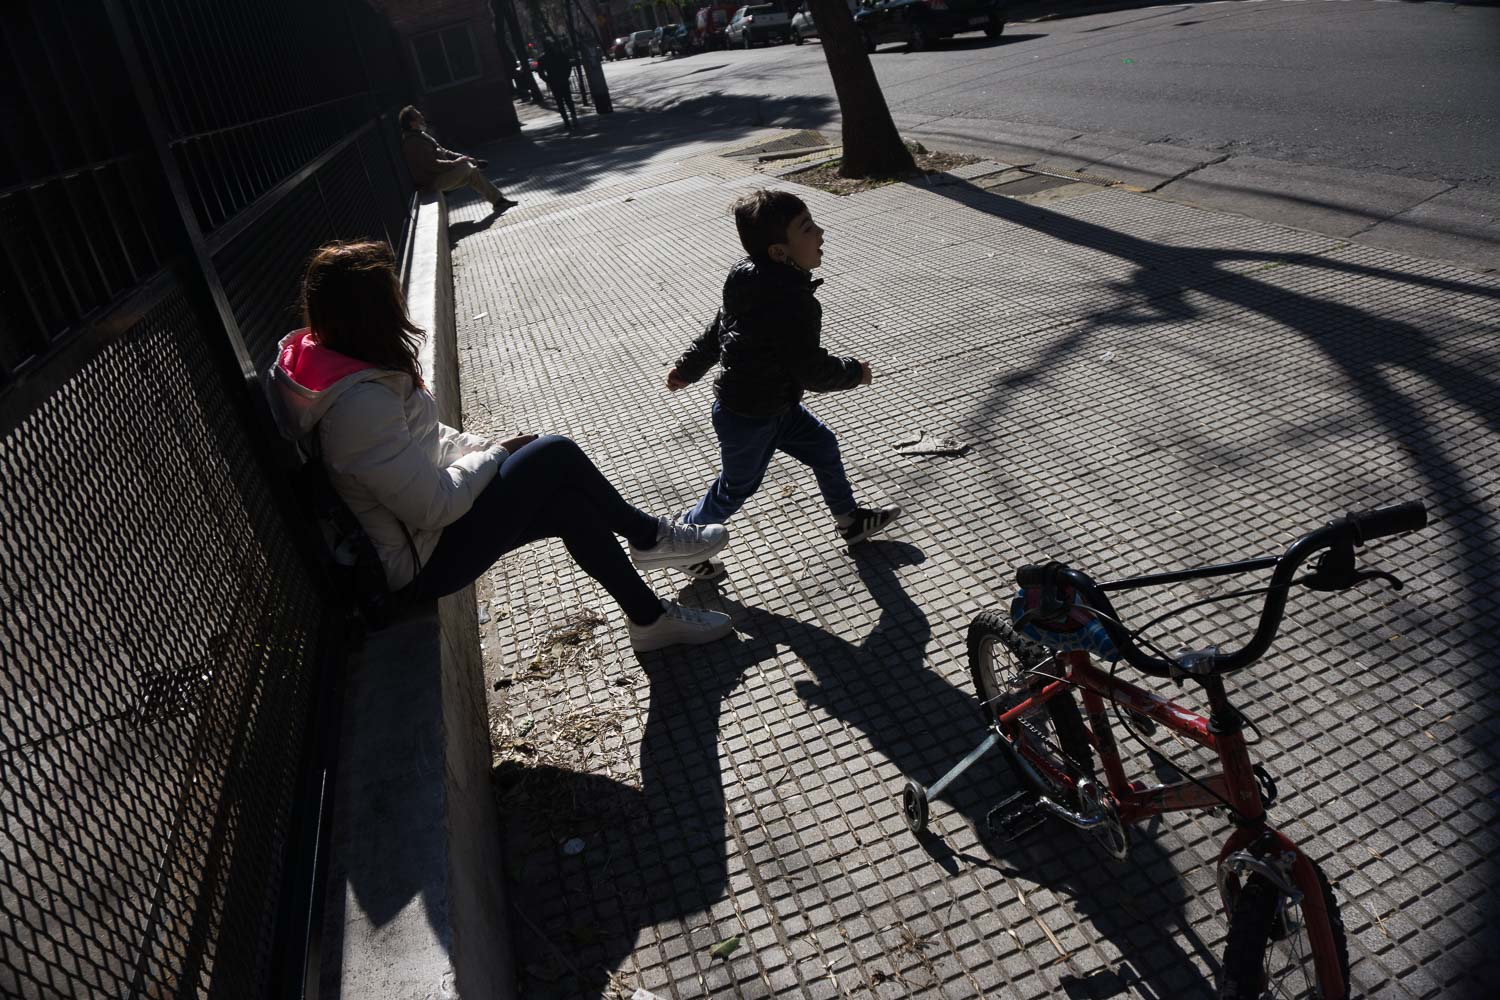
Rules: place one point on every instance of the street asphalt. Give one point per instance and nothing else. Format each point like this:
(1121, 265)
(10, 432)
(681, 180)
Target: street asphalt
(1348, 117)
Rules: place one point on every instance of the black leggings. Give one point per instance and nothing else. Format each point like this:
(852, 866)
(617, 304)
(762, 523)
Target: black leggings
(548, 489)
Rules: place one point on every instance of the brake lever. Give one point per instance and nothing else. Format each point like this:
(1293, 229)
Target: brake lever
(1377, 574)
(1335, 571)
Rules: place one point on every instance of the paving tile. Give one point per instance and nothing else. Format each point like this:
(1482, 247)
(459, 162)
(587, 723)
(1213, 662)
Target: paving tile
(1143, 385)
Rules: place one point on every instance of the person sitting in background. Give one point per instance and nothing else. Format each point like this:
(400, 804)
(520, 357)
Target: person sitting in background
(439, 505)
(434, 168)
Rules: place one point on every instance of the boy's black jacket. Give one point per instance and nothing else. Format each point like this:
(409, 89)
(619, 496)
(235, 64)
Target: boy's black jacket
(766, 338)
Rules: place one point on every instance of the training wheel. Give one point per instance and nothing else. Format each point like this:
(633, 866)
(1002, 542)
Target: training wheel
(914, 806)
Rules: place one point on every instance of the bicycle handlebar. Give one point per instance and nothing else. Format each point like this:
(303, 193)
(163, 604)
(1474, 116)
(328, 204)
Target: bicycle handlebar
(1344, 534)
(1383, 521)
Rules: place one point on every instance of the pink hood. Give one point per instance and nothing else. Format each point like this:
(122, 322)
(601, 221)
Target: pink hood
(313, 366)
(308, 378)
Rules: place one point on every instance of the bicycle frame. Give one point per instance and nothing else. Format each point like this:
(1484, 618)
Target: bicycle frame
(1235, 784)
(1253, 844)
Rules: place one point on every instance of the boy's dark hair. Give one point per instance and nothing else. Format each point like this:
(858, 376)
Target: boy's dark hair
(406, 116)
(763, 217)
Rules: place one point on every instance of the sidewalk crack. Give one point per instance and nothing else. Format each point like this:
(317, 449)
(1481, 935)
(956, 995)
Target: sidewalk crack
(1403, 211)
(1190, 170)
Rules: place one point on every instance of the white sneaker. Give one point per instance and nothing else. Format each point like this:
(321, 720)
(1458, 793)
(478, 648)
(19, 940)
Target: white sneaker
(681, 545)
(679, 625)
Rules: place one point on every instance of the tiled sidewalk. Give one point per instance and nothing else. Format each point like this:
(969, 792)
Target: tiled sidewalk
(1143, 386)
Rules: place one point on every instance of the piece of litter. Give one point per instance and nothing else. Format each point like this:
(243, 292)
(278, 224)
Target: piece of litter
(525, 725)
(643, 994)
(481, 315)
(484, 614)
(1108, 355)
(573, 846)
(725, 948)
(930, 444)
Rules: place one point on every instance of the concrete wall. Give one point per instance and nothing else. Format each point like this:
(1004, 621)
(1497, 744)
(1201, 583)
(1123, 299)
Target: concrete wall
(415, 904)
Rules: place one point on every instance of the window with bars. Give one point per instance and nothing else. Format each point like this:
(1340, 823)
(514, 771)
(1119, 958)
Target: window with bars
(446, 57)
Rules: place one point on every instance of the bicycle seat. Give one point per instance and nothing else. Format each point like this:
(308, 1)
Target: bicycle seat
(1048, 613)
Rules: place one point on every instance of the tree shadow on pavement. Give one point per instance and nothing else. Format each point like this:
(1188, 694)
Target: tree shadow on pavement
(605, 146)
(1395, 370)
(922, 724)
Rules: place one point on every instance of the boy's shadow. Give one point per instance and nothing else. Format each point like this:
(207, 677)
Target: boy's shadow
(922, 724)
(651, 855)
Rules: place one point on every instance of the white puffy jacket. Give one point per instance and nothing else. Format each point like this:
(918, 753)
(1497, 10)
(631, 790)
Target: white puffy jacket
(387, 455)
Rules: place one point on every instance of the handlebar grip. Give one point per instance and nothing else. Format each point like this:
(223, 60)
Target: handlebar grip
(1396, 519)
(1031, 576)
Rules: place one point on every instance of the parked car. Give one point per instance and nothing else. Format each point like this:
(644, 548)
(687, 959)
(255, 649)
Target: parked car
(670, 39)
(617, 48)
(639, 44)
(803, 26)
(919, 23)
(762, 24)
(679, 41)
(708, 30)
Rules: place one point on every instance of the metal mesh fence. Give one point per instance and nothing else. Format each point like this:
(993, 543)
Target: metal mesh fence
(159, 639)
(164, 632)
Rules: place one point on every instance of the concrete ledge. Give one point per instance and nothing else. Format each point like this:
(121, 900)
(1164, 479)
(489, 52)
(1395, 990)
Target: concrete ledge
(416, 905)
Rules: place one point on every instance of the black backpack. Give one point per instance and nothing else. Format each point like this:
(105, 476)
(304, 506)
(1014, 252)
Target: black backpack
(353, 565)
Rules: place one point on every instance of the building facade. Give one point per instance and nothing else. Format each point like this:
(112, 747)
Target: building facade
(463, 80)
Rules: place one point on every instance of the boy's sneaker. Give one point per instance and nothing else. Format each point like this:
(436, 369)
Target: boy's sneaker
(681, 545)
(706, 571)
(679, 626)
(866, 521)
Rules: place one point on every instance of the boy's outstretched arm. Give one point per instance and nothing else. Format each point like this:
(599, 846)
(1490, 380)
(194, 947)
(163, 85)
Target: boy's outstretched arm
(698, 358)
(816, 369)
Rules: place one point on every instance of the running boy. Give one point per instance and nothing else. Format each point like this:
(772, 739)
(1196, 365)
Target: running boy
(766, 341)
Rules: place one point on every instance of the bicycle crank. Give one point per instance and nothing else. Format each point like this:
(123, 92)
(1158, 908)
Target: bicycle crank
(1109, 831)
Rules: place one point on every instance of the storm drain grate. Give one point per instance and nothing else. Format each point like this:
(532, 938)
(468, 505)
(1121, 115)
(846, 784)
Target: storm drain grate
(1073, 176)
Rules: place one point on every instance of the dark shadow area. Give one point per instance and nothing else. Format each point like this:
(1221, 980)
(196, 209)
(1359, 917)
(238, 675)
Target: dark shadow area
(578, 915)
(457, 231)
(1391, 367)
(911, 716)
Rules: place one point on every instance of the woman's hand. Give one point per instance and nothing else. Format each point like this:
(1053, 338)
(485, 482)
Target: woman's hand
(676, 381)
(518, 442)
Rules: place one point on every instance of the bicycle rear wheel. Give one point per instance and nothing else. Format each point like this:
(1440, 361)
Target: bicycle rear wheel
(1008, 669)
(1268, 952)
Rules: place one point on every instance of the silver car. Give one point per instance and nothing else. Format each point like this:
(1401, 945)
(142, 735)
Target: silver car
(803, 26)
(639, 44)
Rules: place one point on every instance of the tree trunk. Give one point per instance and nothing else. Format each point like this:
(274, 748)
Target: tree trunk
(872, 146)
(518, 49)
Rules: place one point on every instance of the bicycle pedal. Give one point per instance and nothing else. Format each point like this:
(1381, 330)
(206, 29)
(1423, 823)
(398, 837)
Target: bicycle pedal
(1015, 817)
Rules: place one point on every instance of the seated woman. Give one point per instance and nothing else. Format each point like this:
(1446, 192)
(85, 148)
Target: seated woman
(439, 505)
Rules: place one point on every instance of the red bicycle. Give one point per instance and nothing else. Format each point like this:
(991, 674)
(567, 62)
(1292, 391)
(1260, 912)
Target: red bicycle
(1286, 937)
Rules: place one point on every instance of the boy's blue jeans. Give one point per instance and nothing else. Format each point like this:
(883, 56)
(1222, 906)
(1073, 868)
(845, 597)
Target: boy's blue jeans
(746, 445)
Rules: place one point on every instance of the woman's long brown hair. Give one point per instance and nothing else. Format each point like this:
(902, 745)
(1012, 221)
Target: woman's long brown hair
(351, 299)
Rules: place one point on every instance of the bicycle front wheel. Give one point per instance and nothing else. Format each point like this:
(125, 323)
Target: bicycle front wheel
(1269, 951)
(1049, 748)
